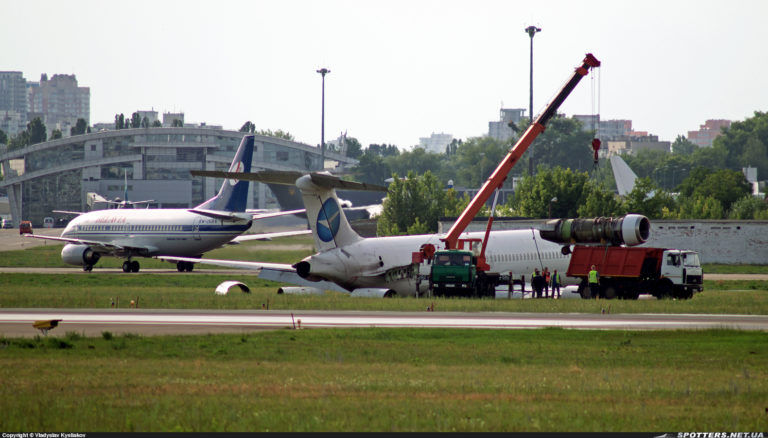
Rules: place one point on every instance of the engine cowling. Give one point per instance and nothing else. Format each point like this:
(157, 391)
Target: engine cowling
(630, 230)
(300, 290)
(80, 255)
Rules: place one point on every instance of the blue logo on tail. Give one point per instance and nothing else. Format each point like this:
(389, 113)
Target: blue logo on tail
(328, 220)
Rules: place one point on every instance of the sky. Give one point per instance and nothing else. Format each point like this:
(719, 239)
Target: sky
(399, 70)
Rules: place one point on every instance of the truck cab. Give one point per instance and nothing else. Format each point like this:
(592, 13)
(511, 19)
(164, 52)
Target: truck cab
(683, 269)
(453, 272)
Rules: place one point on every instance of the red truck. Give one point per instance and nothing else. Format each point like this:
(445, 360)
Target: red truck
(627, 272)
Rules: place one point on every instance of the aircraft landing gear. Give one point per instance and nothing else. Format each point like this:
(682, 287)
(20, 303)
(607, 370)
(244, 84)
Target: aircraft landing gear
(87, 268)
(130, 266)
(185, 266)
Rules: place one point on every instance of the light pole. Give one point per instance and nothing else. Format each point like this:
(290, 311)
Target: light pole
(554, 199)
(323, 72)
(531, 31)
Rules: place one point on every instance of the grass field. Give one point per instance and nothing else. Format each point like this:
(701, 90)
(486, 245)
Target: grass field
(388, 380)
(371, 379)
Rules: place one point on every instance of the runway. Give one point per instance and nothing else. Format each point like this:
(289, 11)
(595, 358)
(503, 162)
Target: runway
(18, 322)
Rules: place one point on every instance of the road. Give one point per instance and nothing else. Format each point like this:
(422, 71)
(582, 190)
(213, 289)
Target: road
(90, 322)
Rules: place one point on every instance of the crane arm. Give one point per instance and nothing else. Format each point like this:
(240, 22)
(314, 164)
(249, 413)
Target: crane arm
(500, 174)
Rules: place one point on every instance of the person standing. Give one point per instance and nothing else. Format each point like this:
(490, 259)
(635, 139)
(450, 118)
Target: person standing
(546, 276)
(537, 282)
(594, 282)
(555, 284)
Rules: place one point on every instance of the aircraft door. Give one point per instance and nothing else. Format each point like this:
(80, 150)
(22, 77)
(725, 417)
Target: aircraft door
(196, 229)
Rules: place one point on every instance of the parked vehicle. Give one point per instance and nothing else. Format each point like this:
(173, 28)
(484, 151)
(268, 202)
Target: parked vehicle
(25, 227)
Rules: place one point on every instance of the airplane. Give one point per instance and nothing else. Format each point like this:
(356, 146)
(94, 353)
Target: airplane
(130, 233)
(382, 266)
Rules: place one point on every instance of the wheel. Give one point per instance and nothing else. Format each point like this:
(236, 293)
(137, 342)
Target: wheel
(190, 267)
(609, 292)
(126, 266)
(180, 266)
(134, 266)
(87, 268)
(584, 290)
(664, 291)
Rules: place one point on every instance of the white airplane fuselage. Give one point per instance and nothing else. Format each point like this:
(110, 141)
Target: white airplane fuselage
(157, 231)
(383, 262)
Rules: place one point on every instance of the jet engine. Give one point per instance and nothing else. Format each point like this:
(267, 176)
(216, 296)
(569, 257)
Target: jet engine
(629, 230)
(80, 255)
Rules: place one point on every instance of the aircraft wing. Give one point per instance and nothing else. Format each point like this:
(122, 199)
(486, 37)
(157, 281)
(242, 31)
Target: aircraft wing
(100, 247)
(280, 272)
(76, 213)
(92, 243)
(268, 236)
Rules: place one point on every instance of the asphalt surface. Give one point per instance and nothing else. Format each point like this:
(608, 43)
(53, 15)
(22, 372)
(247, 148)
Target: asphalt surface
(90, 322)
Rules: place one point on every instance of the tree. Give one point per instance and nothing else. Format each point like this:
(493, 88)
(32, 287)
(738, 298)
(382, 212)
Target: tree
(372, 169)
(56, 134)
(248, 127)
(474, 161)
(37, 131)
(3, 137)
(683, 146)
(413, 205)
(748, 207)
(145, 122)
(564, 144)
(534, 194)
(735, 139)
(354, 148)
(177, 123)
(80, 127)
(600, 202)
(648, 199)
(135, 120)
(19, 140)
(157, 124)
(726, 186)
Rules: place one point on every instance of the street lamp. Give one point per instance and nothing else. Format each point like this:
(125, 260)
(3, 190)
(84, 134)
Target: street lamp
(531, 31)
(554, 199)
(323, 72)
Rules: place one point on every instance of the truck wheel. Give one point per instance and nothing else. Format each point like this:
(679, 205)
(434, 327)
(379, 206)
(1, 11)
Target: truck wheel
(664, 291)
(584, 290)
(609, 292)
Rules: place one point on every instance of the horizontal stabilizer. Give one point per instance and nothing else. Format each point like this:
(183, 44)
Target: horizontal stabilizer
(289, 178)
(225, 215)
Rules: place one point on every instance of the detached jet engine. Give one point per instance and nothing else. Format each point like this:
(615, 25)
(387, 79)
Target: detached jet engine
(629, 230)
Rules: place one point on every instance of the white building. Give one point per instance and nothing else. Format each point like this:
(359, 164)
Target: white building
(436, 142)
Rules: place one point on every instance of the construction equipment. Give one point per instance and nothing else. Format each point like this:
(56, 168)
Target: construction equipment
(443, 276)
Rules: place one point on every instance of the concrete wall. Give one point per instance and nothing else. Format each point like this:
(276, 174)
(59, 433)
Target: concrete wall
(716, 241)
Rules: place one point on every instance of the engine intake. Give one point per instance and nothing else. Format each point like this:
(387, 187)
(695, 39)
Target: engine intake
(80, 255)
(630, 230)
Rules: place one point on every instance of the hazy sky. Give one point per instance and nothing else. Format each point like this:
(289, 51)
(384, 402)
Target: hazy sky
(400, 70)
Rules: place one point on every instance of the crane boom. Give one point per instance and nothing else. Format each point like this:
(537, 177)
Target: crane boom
(500, 174)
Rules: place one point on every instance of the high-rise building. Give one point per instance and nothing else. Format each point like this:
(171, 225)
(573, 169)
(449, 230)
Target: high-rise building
(13, 102)
(436, 142)
(708, 132)
(59, 102)
(501, 130)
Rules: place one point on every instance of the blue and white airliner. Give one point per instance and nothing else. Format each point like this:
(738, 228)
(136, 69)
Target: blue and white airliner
(130, 233)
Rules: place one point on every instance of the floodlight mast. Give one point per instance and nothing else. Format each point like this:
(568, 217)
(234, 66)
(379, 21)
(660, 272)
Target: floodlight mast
(499, 175)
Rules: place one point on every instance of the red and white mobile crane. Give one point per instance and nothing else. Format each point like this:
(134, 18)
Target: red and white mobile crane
(480, 286)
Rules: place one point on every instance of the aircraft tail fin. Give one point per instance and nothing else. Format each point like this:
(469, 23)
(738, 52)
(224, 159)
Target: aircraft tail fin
(329, 224)
(233, 194)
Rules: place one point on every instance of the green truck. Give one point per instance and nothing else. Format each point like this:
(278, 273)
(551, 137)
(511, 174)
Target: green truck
(454, 274)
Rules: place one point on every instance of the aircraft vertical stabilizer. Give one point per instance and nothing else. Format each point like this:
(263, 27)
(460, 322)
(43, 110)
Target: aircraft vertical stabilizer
(233, 194)
(329, 225)
(625, 177)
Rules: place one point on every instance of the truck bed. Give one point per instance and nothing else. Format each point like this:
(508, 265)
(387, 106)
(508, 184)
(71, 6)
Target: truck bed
(611, 261)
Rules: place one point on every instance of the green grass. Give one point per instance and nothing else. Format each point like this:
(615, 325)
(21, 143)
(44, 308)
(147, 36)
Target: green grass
(196, 291)
(287, 250)
(388, 380)
(735, 269)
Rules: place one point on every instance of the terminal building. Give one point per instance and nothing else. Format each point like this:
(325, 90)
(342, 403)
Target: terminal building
(156, 163)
